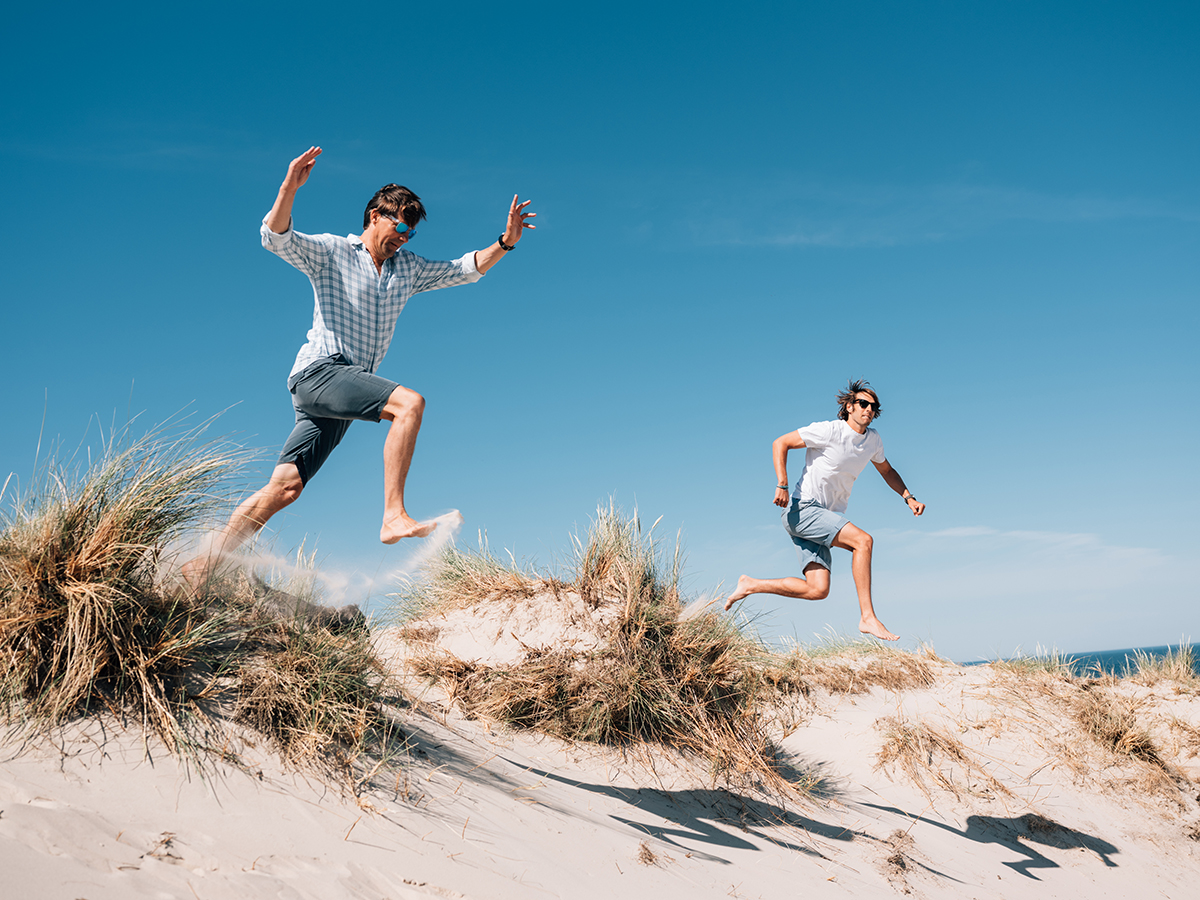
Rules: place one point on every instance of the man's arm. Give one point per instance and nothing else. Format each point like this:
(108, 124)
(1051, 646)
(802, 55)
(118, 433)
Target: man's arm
(779, 452)
(485, 259)
(279, 219)
(896, 483)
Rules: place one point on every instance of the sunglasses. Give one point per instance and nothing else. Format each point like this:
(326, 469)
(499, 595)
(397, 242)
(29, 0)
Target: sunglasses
(866, 404)
(402, 227)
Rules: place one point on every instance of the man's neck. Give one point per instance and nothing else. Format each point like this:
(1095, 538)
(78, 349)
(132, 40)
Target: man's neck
(375, 257)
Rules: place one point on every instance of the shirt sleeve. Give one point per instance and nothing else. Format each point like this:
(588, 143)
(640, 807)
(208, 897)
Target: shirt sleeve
(877, 456)
(815, 435)
(431, 275)
(307, 252)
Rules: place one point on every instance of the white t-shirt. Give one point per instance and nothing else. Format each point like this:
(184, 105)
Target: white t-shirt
(836, 454)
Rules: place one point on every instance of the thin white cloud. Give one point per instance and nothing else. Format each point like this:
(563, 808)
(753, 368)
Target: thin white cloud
(790, 213)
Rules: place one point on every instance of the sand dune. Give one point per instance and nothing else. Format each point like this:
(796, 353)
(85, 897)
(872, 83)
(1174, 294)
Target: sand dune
(481, 812)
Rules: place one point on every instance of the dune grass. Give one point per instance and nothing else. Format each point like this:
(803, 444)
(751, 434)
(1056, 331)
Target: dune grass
(83, 623)
(930, 755)
(1052, 662)
(87, 627)
(455, 580)
(842, 665)
(316, 693)
(1177, 665)
(694, 684)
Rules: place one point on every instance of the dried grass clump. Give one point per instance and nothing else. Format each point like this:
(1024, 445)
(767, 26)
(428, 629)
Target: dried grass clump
(928, 754)
(86, 627)
(1111, 720)
(457, 580)
(83, 625)
(618, 560)
(316, 693)
(845, 667)
(1178, 665)
(1043, 662)
(695, 685)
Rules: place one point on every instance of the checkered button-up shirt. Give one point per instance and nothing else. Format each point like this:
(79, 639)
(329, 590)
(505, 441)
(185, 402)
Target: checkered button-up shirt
(356, 307)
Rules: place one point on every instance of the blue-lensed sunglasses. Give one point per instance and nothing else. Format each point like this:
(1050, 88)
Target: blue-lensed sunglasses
(402, 227)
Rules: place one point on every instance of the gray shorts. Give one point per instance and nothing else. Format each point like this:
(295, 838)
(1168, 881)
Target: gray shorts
(328, 395)
(812, 529)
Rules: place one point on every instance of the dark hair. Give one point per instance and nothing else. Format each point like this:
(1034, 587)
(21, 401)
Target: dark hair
(853, 389)
(397, 201)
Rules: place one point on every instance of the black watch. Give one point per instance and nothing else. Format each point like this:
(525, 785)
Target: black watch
(504, 246)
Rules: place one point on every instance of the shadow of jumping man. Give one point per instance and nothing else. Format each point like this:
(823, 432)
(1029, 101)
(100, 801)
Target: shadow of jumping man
(712, 817)
(1018, 833)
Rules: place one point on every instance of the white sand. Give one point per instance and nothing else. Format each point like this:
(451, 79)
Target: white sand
(479, 812)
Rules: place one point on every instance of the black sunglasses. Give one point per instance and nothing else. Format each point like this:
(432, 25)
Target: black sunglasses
(866, 404)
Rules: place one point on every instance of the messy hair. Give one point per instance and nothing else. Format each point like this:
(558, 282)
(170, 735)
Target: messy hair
(853, 389)
(396, 201)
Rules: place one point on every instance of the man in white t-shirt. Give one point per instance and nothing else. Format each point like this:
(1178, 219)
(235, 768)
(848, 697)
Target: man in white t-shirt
(835, 453)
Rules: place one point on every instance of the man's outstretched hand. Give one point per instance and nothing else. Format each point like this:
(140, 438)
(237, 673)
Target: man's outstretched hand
(516, 220)
(300, 168)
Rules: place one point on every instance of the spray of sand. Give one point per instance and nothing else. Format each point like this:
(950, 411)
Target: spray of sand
(325, 584)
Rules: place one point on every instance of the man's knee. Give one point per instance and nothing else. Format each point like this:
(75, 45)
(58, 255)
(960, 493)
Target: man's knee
(818, 581)
(404, 402)
(286, 484)
(854, 538)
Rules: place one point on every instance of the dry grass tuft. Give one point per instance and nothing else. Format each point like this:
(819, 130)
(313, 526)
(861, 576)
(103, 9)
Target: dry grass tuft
(850, 668)
(927, 754)
(646, 855)
(618, 560)
(83, 625)
(1178, 665)
(457, 580)
(86, 628)
(696, 685)
(316, 694)
(1049, 662)
(1111, 720)
(1103, 728)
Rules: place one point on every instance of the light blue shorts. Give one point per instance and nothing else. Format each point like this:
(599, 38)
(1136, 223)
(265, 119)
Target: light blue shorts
(812, 529)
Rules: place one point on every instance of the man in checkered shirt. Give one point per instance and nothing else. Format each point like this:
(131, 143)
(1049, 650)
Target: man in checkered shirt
(361, 285)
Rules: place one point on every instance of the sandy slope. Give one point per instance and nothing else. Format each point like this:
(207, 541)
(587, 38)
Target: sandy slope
(478, 812)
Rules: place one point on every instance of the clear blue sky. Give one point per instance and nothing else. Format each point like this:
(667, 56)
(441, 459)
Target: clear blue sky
(990, 210)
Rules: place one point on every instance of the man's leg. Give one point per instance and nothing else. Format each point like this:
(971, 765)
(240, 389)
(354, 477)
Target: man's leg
(857, 541)
(247, 520)
(404, 409)
(813, 586)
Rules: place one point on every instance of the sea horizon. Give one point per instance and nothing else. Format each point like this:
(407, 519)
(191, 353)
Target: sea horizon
(1108, 662)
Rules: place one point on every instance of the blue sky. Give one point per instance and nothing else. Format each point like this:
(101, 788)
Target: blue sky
(990, 210)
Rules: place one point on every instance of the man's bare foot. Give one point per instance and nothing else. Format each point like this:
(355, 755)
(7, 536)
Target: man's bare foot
(743, 590)
(195, 572)
(401, 527)
(875, 628)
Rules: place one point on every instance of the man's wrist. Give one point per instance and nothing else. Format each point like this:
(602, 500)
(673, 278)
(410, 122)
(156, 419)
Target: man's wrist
(506, 247)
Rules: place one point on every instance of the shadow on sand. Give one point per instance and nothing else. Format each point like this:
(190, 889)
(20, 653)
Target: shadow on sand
(1018, 833)
(706, 817)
